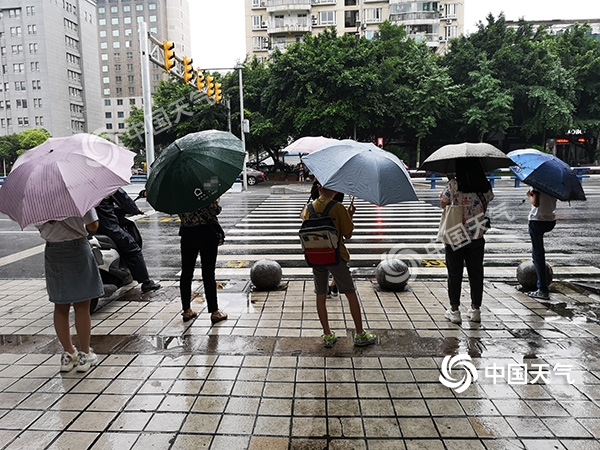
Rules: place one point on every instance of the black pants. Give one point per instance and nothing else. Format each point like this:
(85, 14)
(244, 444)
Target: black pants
(470, 255)
(198, 240)
(129, 251)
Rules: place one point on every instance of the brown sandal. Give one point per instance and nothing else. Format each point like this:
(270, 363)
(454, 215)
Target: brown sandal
(217, 316)
(189, 315)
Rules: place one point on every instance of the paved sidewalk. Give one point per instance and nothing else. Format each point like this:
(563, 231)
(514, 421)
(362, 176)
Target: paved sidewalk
(262, 380)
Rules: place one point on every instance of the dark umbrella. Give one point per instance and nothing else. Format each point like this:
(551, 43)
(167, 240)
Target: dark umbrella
(194, 171)
(443, 160)
(546, 173)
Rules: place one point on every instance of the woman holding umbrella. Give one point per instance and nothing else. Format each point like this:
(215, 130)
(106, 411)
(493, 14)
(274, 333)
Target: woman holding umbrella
(541, 220)
(473, 191)
(72, 278)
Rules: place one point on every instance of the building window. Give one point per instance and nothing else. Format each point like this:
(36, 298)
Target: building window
(35, 66)
(109, 126)
(120, 114)
(37, 102)
(31, 29)
(108, 115)
(21, 103)
(115, 33)
(17, 49)
(131, 90)
(350, 18)
(23, 121)
(130, 78)
(106, 80)
(36, 85)
(103, 45)
(132, 101)
(14, 13)
(104, 68)
(107, 102)
(102, 22)
(121, 126)
(117, 56)
(327, 18)
(104, 57)
(119, 102)
(152, 6)
(152, 19)
(18, 68)
(129, 55)
(114, 9)
(102, 33)
(126, 8)
(106, 91)
(129, 67)
(119, 91)
(128, 32)
(30, 10)
(20, 86)
(117, 67)
(127, 20)
(118, 79)
(39, 121)
(33, 47)
(114, 21)
(139, 7)
(373, 15)
(116, 44)
(101, 10)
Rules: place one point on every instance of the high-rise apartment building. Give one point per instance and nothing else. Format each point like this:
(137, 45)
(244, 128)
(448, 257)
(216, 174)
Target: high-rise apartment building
(120, 56)
(49, 66)
(274, 24)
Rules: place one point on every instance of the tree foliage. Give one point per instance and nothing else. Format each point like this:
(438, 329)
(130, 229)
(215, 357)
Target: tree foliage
(497, 79)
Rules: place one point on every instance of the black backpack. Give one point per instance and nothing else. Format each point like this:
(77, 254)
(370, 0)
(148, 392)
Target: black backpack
(319, 238)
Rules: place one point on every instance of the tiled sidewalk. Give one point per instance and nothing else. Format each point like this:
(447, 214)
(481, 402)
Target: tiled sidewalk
(262, 380)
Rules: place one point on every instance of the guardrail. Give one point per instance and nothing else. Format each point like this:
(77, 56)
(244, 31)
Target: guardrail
(138, 178)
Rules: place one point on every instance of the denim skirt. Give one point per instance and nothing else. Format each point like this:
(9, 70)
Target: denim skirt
(71, 272)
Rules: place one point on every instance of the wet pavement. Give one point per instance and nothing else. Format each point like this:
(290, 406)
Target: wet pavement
(527, 377)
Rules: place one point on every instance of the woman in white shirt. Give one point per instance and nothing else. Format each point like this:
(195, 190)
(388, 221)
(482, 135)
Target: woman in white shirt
(72, 278)
(541, 220)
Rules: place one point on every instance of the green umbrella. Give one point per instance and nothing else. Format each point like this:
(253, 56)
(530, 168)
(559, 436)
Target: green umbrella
(194, 171)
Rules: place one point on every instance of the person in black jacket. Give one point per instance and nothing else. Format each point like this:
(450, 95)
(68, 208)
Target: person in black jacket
(127, 247)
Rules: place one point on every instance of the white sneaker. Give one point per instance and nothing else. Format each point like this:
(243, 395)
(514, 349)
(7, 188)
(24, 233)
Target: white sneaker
(453, 316)
(86, 360)
(68, 361)
(474, 315)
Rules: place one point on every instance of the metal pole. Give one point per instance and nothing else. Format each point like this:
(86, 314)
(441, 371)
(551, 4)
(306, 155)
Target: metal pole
(239, 67)
(147, 96)
(229, 114)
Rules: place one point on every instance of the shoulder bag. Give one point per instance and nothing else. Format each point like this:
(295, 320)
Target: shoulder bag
(452, 218)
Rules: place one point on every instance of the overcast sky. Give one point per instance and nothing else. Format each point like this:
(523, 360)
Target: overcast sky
(218, 34)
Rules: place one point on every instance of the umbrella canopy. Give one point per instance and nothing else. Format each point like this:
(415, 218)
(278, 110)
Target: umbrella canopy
(363, 170)
(546, 173)
(308, 144)
(64, 177)
(443, 160)
(194, 171)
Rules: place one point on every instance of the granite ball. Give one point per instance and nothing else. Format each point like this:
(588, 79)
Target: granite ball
(265, 274)
(392, 274)
(527, 276)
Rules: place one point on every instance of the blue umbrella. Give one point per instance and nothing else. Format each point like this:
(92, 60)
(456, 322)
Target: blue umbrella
(363, 170)
(546, 173)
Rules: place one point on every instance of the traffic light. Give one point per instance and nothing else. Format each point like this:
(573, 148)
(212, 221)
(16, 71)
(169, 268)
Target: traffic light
(188, 70)
(218, 95)
(200, 79)
(169, 53)
(210, 86)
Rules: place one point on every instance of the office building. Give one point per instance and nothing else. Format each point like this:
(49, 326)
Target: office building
(120, 56)
(274, 24)
(49, 64)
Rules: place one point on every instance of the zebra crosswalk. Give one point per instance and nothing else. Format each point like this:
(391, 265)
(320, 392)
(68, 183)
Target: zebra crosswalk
(404, 231)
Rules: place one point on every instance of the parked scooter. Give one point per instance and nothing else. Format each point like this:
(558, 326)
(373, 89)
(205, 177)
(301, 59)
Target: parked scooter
(113, 270)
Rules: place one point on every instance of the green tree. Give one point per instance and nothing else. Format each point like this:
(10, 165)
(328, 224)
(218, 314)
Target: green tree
(177, 109)
(490, 107)
(31, 138)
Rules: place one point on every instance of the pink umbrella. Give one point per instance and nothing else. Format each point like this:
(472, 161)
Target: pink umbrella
(64, 177)
(308, 144)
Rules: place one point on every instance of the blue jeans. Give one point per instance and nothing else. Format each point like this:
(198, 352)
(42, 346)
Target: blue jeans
(537, 228)
(471, 256)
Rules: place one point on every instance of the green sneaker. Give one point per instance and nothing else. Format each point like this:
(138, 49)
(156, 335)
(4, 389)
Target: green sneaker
(364, 339)
(329, 339)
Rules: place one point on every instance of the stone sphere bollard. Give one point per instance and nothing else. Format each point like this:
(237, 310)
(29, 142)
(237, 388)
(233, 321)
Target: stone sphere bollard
(527, 276)
(265, 274)
(392, 274)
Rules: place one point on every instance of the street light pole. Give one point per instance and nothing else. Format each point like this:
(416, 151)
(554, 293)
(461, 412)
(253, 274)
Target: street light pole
(243, 127)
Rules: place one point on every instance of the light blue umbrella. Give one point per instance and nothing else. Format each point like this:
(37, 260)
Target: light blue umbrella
(362, 170)
(546, 173)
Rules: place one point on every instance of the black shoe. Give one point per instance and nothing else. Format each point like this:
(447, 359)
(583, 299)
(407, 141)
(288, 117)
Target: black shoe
(334, 290)
(149, 285)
